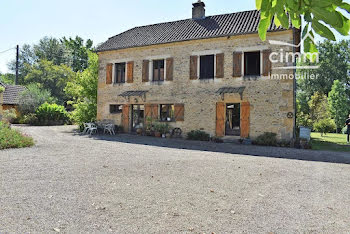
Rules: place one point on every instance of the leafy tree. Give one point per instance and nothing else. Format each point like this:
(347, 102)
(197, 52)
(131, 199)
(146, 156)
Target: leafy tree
(319, 107)
(320, 17)
(83, 89)
(33, 97)
(51, 49)
(338, 103)
(78, 52)
(7, 78)
(51, 77)
(325, 126)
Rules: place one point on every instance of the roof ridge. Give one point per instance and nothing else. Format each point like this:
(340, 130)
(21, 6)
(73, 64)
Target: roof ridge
(181, 20)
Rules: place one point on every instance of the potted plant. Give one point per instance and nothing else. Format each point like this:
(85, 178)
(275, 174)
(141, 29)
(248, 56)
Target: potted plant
(157, 129)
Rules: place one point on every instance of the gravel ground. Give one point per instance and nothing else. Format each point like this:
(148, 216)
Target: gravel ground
(75, 184)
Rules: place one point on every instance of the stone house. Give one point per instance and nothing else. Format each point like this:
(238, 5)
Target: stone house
(9, 99)
(210, 73)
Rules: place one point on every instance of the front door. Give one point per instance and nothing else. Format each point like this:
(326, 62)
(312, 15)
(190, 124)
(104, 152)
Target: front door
(233, 119)
(138, 117)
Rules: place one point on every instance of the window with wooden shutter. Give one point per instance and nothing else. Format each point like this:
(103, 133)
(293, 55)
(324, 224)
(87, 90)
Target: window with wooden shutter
(119, 76)
(206, 67)
(125, 117)
(245, 119)
(220, 119)
(148, 111)
(169, 69)
(109, 71)
(252, 63)
(158, 70)
(155, 111)
(267, 66)
(130, 71)
(193, 67)
(237, 64)
(220, 65)
(179, 112)
(145, 71)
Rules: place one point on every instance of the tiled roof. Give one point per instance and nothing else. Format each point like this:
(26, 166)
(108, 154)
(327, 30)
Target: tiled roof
(11, 94)
(183, 30)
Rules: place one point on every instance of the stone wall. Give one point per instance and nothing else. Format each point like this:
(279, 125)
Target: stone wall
(270, 100)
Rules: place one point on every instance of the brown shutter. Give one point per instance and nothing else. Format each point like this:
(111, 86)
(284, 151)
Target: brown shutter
(237, 64)
(245, 119)
(193, 67)
(154, 111)
(220, 66)
(145, 71)
(220, 119)
(179, 112)
(130, 75)
(297, 38)
(266, 63)
(125, 117)
(109, 71)
(148, 111)
(169, 68)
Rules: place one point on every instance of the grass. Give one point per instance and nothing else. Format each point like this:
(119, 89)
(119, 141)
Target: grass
(330, 141)
(11, 138)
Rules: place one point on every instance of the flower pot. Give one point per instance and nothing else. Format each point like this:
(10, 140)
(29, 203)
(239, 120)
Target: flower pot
(157, 134)
(139, 131)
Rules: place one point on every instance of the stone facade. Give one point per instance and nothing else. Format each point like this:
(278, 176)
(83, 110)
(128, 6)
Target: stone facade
(271, 100)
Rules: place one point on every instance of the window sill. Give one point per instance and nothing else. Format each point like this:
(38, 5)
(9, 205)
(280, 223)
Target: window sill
(251, 77)
(157, 82)
(118, 84)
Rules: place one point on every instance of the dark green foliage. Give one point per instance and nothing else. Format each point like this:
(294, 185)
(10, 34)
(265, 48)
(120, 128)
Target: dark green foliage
(11, 138)
(198, 135)
(266, 139)
(51, 114)
(325, 126)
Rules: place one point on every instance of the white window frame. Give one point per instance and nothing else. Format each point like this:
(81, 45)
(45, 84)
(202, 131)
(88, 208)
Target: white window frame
(114, 62)
(150, 70)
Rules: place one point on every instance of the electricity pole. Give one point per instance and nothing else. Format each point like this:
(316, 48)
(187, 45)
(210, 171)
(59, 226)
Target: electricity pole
(17, 58)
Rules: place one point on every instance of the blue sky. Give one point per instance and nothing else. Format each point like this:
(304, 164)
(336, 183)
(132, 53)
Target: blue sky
(23, 21)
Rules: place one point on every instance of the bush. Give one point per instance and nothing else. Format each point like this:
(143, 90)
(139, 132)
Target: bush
(198, 135)
(11, 138)
(9, 115)
(266, 139)
(325, 126)
(28, 119)
(51, 114)
(163, 128)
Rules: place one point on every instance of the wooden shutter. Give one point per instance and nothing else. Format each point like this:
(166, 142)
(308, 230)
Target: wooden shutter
(125, 117)
(237, 64)
(169, 68)
(145, 71)
(297, 38)
(245, 119)
(220, 66)
(130, 71)
(179, 112)
(109, 75)
(154, 111)
(220, 119)
(148, 111)
(266, 63)
(193, 67)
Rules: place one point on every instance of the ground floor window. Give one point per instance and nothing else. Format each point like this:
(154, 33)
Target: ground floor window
(115, 109)
(167, 112)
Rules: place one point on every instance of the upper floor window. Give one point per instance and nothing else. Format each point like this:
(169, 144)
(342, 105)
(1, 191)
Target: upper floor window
(158, 70)
(252, 63)
(120, 73)
(206, 67)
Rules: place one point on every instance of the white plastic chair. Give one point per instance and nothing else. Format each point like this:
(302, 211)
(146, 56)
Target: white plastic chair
(92, 129)
(109, 128)
(86, 128)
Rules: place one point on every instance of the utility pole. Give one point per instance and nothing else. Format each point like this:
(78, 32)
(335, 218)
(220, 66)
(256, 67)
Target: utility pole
(17, 58)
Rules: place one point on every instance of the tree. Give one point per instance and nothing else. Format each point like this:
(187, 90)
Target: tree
(51, 77)
(7, 78)
(338, 104)
(33, 97)
(83, 89)
(320, 17)
(78, 52)
(319, 107)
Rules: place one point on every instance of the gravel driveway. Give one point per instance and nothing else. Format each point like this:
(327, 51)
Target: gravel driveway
(75, 184)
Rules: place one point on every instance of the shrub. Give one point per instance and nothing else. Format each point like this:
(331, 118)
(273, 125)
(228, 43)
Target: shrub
(9, 115)
(28, 119)
(2, 89)
(11, 138)
(51, 114)
(266, 139)
(325, 126)
(198, 135)
(163, 128)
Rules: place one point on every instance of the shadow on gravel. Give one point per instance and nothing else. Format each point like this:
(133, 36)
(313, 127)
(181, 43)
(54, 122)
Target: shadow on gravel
(230, 148)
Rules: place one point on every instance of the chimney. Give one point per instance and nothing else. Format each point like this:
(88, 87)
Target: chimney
(198, 10)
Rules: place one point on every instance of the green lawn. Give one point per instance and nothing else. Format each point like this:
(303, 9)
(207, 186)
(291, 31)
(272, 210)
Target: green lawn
(330, 141)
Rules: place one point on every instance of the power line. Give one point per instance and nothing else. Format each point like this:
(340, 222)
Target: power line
(7, 50)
